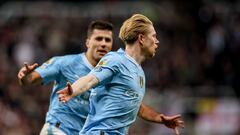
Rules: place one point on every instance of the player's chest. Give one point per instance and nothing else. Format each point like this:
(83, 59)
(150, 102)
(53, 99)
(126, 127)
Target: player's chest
(133, 78)
(74, 73)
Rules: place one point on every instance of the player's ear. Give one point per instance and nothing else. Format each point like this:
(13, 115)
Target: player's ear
(140, 39)
(87, 43)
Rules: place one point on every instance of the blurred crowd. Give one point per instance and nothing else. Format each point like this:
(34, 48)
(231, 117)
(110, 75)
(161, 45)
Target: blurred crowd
(196, 71)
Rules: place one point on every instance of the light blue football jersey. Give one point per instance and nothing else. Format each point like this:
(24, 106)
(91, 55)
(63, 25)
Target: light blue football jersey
(115, 102)
(59, 70)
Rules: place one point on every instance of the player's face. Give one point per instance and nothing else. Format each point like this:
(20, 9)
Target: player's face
(100, 43)
(150, 43)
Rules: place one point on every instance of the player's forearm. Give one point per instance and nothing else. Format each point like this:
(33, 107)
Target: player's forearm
(83, 84)
(149, 114)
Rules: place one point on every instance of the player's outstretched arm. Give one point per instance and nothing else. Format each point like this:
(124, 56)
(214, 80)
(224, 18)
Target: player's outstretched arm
(78, 87)
(27, 75)
(174, 122)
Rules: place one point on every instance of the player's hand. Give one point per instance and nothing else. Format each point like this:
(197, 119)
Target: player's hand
(173, 122)
(25, 70)
(65, 94)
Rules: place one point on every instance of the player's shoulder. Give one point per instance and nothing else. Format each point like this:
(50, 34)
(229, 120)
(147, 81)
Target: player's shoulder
(115, 54)
(71, 56)
(111, 54)
(66, 59)
(113, 57)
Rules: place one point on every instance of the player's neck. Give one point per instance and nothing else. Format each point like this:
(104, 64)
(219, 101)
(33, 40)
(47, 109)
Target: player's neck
(90, 59)
(135, 52)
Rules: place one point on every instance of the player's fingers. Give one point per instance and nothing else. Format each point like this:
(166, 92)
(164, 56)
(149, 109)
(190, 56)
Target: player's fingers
(176, 117)
(176, 131)
(26, 66)
(180, 123)
(20, 75)
(61, 97)
(60, 92)
(64, 101)
(34, 66)
(175, 124)
(70, 91)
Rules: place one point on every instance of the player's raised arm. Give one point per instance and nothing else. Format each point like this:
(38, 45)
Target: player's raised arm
(80, 86)
(27, 75)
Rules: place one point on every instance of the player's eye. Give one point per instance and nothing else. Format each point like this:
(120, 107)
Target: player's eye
(108, 40)
(99, 38)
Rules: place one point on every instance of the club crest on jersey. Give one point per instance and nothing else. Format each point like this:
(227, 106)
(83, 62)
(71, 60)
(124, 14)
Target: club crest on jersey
(98, 68)
(141, 81)
(50, 61)
(45, 64)
(102, 62)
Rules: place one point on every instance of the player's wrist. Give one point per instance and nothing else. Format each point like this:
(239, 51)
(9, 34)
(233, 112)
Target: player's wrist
(26, 79)
(22, 81)
(160, 118)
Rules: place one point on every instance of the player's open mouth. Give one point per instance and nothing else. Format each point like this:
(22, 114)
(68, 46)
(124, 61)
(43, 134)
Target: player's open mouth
(102, 51)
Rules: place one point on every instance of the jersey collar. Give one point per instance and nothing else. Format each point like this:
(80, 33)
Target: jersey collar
(85, 60)
(129, 57)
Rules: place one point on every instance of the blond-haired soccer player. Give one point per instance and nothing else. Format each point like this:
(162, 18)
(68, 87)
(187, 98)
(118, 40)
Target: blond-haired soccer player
(119, 83)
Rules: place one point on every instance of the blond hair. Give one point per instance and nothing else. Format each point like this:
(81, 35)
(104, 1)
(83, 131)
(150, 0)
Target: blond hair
(132, 27)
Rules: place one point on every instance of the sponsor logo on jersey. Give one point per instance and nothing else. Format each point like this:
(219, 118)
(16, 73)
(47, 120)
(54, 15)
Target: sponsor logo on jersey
(131, 93)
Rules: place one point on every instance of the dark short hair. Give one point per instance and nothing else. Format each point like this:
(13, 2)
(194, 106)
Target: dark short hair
(101, 25)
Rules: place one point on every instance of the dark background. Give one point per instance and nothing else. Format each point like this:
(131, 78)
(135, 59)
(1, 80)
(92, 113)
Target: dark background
(196, 70)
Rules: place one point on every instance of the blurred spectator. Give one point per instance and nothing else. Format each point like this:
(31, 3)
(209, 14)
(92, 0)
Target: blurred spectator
(216, 39)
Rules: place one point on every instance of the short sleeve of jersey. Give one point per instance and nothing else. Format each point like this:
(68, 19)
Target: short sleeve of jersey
(107, 67)
(49, 70)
